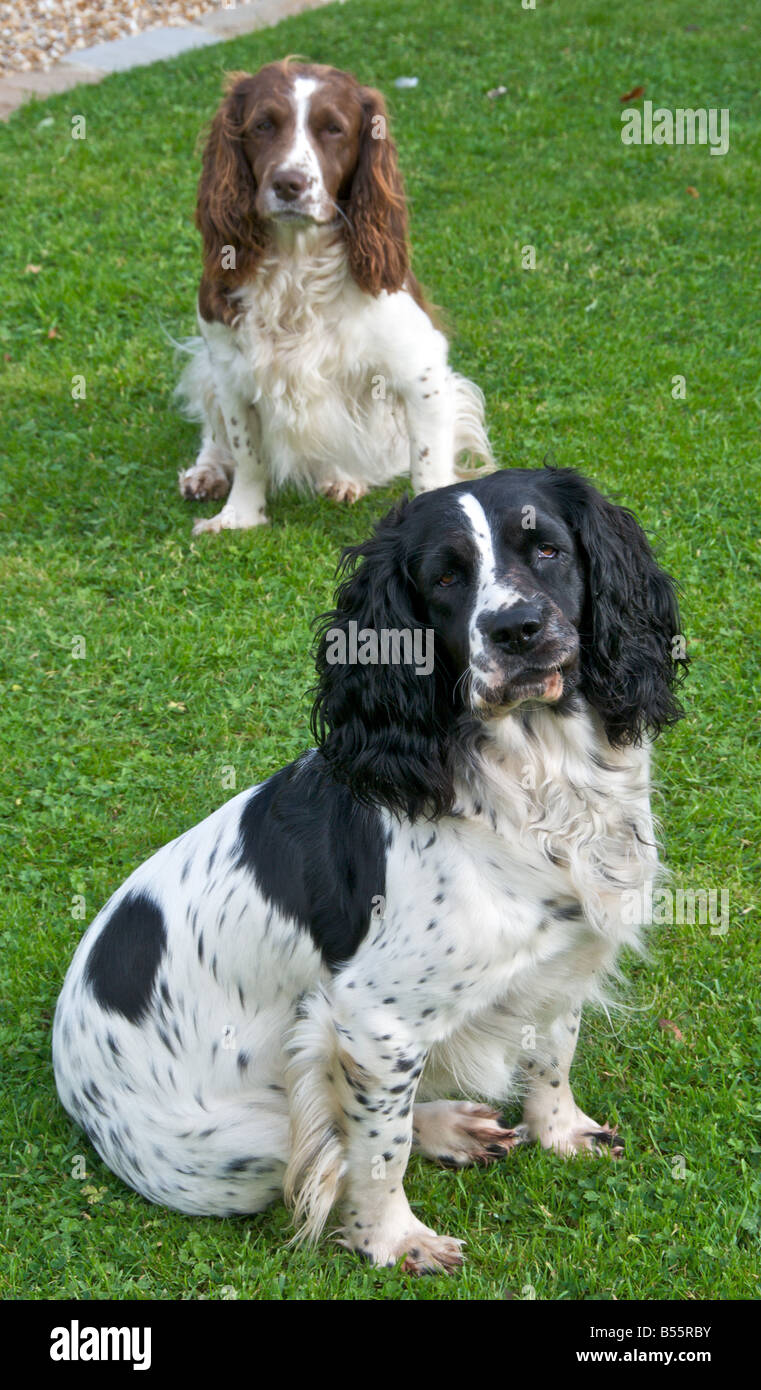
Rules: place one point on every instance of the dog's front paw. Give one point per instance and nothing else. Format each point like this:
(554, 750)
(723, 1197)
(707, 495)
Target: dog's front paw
(600, 1140)
(420, 1248)
(203, 482)
(433, 1255)
(230, 519)
(579, 1135)
(346, 491)
(456, 1133)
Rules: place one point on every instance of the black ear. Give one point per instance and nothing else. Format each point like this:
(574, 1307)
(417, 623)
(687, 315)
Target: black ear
(632, 649)
(385, 728)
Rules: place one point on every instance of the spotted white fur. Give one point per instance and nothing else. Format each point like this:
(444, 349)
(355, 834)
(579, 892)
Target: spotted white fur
(243, 1101)
(260, 1066)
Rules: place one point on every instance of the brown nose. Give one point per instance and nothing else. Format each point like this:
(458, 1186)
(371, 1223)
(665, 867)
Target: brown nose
(289, 185)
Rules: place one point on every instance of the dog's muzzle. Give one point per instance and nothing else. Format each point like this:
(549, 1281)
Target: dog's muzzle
(530, 652)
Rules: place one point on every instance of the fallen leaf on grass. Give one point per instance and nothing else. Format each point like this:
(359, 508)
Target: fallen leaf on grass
(32, 269)
(666, 1024)
(633, 95)
(693, 192)
(53, 332)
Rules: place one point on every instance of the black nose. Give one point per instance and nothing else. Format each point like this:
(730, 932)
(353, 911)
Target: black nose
(289, 185)
(513, 628)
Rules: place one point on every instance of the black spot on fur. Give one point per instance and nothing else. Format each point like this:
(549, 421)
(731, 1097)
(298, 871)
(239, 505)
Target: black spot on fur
(568, 912)
(166, 1041)
(316, 853)
(123, 962)
(238, 1165)
(404, 1064)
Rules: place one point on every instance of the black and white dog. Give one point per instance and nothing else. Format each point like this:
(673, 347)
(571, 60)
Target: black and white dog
(283, 999)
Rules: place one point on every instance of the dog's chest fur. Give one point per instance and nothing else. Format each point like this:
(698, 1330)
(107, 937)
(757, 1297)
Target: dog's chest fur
(302, 351)
(558, 794)
(541, 869)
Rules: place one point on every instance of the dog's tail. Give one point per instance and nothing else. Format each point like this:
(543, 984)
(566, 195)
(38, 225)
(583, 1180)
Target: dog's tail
(195, 389)
(473, 455)
(317, 1164)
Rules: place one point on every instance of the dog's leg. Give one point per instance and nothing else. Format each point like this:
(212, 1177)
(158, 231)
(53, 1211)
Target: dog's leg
(455, 1133)
(247, 504)
(430, 405)
(380, 1081)
(550, 1113)
(211, 474)
(351, 1093)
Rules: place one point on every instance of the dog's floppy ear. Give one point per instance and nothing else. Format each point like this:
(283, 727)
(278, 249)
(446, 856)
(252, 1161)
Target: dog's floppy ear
(382, 727)
(632, 654)
(376, 235)
(234, 235)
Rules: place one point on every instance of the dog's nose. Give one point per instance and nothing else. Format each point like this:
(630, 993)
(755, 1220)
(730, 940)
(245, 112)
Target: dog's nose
(513, 628)
(289, 185)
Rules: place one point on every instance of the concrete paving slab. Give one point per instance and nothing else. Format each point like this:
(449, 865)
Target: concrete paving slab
(138, 50)
(94, 63)
(17, 87)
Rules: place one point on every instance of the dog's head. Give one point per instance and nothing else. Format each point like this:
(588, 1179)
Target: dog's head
(536, 590)
(300, 144)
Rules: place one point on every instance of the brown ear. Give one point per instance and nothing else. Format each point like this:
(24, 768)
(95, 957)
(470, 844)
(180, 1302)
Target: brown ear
(233, 234)
(376, 237)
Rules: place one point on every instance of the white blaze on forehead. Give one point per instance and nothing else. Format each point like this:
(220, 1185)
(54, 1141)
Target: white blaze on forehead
(302, 154)
(491, 594)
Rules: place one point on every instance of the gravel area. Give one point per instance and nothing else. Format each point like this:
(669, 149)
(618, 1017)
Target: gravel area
(35, 34)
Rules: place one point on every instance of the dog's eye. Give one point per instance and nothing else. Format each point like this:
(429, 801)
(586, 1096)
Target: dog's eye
(547, 552)
(447, 580)
(333, 128)
(265, 124)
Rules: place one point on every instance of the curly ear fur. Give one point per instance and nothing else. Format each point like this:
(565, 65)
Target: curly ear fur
(383, 729)
(376, 236)
(630, 620)
(225, 210)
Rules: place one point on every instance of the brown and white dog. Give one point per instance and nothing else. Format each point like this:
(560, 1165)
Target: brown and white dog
(318, 362)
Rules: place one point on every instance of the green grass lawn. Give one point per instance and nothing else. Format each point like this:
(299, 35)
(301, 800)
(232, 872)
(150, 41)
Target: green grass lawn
(196, 653)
